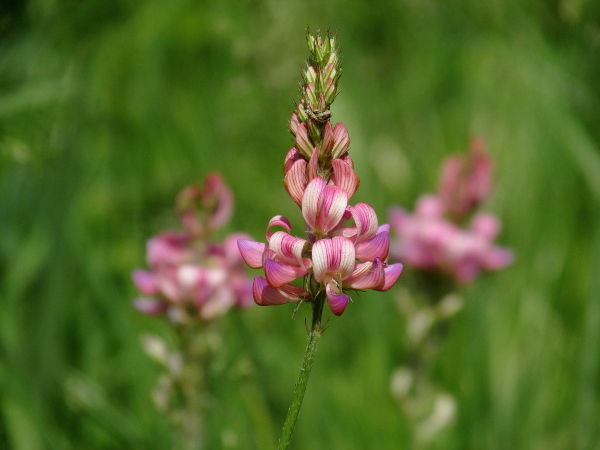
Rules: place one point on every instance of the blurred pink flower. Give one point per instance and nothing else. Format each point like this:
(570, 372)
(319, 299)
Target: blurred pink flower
(466, 181)
(203, 209)
(431, 237)
(189, 275)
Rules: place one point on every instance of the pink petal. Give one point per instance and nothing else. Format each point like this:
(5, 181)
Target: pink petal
(295, 181)
(145, 282)
(365, 220)
(231, 249)
(497, 258)
(376, 247)
(215, 187)
(278, 221)
(486, 225)
(335, 201)
(150, 306)
(319, 258)
(341, 140)
(337, 302)
(312, 169)
(279, 274)
(327, 142)
(167, 248)
(252, 252)
(294, 122)
(366, 275)
(303, 143)
(265, 295)
(345, 177)
(429, 206)
(291, 157)
(391, 274)
(289, 248)
(347, 159)
(334, 256)
(311, 201)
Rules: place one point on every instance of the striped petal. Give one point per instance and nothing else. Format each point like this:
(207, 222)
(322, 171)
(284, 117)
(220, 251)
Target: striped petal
(391, 274)
(295, 181)
(278, 221)
(327, 142)
(291, 157)
(341, 140)
(345, 177)
(376, 247)
(365, 219)
(265, 295)
(287, 247)
(366, 275)
(312, 200)
(303, 143)
(334, 256)
(252, 252)
(335, 202)
(337, 302)
(312, 169)
(279, 274)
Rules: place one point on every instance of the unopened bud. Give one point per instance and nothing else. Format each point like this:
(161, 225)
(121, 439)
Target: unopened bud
(311, 94)
(301, 111)
(341, 140)
(310, 75)
(329, 92)
(327, 141)
(329, 72)
(294, 122)
(314, 130)
(303, 142)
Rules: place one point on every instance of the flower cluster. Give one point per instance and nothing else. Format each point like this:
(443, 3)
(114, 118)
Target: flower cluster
(431, 238)
(190, 276)
(337, 257)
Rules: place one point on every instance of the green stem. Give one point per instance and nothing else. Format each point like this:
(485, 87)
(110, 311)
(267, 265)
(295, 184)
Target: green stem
(189, 413)
(309, 356)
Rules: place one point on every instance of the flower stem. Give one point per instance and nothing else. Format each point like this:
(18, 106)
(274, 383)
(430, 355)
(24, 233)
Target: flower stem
(313, 338)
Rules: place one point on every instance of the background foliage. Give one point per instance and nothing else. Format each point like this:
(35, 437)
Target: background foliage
(108, 108)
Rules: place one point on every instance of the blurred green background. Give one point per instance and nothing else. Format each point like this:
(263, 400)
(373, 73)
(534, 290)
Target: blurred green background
(108, 108)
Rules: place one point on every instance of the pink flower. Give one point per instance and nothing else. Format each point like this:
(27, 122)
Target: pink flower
(466, 182)
(188, 274)
(337, 257)
(319, 176)
(426, 240)
(203, 209)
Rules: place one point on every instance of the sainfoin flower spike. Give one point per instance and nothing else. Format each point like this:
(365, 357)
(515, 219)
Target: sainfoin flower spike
(335, 258)
(344, 249)
(191, 277)
(434, 238)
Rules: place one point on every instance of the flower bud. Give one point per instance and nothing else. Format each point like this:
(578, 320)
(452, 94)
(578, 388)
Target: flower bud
(329, 72)
(303, 143)
(311, 94)
(341, 140)
(310, 75)
(294, 122)
(312, 42)
(327, 141)
(301, 111)
(329, 92)
(314, 130)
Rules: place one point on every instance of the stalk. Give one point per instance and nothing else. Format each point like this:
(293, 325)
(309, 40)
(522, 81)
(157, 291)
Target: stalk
(313, 338)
